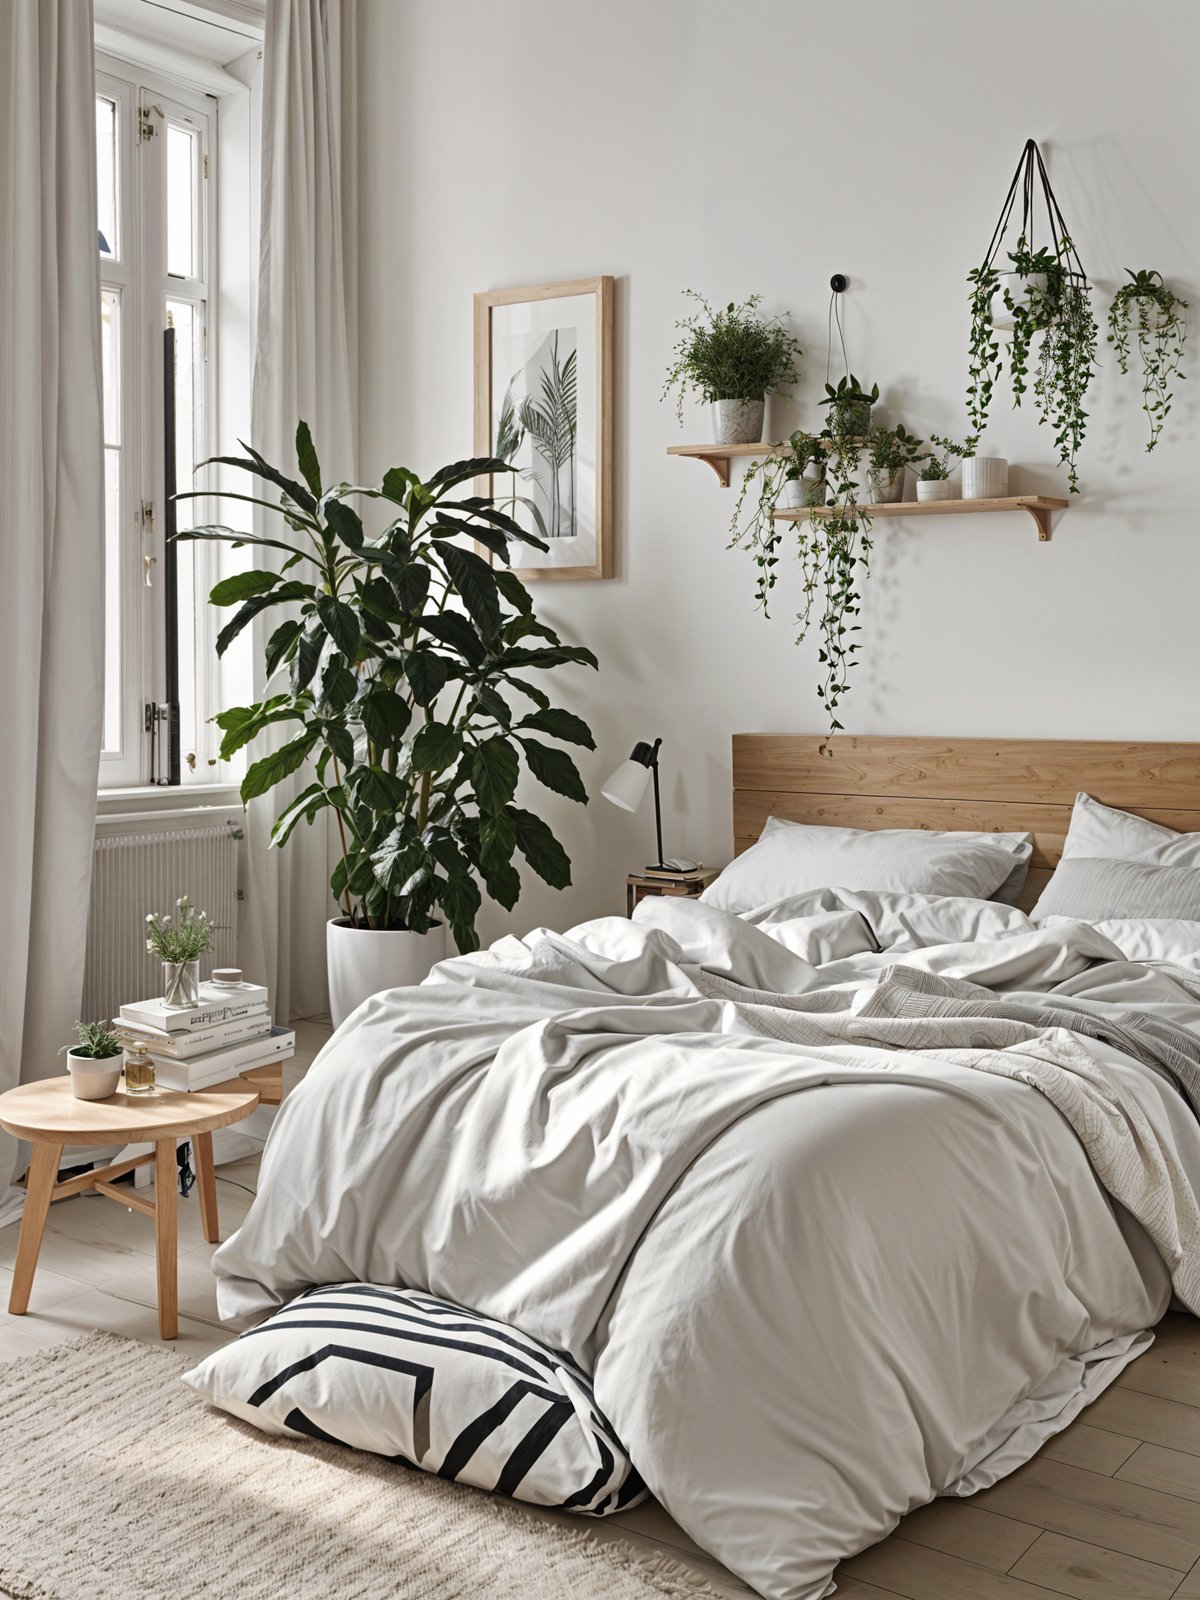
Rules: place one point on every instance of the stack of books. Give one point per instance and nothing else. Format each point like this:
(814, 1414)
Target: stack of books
(192, 1047)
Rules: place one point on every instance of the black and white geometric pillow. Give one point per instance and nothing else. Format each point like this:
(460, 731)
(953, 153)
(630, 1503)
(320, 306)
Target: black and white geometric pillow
(430, 1385)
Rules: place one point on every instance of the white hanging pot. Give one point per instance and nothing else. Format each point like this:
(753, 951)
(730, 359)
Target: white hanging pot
(936, 489)
(363, 961)
(984, 478)
(1018, 286)
(94, 1077)
(738, 421)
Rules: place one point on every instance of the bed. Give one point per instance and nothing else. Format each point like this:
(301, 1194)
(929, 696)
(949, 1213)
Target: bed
(844, 1203)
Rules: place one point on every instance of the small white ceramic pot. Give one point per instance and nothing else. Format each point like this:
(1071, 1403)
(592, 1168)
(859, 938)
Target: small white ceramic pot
(984, 478)
(807, 490)
(94, 1078)
(936, 489)
(738, 421)
(1018, 288)
(363, 961)
(885, 488)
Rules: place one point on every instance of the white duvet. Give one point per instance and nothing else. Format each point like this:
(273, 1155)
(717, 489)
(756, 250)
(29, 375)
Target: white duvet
(831, 1243)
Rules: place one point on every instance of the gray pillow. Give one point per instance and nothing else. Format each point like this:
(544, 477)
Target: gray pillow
(1092, 889)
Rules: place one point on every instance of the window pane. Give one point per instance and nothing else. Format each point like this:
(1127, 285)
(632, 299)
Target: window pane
(110, 350)
(112, 599)
(106, 175)
(181, 202)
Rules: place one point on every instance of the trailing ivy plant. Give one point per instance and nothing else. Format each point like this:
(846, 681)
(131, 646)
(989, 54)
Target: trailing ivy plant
(1056, 303)
(1157, 314)
(401, 661)
(730, 354)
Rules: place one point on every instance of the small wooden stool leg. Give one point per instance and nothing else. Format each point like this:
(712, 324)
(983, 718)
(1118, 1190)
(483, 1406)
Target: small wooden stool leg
(166, 1177)
(39, 1191)
(206, 1184)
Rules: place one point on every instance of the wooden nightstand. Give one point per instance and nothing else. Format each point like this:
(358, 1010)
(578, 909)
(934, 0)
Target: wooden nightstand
(683, 886)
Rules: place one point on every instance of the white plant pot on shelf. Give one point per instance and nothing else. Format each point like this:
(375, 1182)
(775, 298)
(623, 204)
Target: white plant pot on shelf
(92, 1077)
(936, 489)
(984, 478)
(363, 961)
(738, 421)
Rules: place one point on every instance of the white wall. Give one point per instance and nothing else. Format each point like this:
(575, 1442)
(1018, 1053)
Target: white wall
(679, 143)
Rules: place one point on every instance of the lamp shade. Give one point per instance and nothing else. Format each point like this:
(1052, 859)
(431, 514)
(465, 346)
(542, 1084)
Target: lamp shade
(626, 787)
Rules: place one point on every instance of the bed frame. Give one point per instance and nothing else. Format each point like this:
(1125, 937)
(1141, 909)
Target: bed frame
(982, 785)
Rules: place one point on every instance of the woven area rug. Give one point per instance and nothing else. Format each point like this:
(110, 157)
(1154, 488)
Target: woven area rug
(117, 1480)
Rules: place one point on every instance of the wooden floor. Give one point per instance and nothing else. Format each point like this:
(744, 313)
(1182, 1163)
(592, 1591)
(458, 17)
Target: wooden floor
(1108, 1510)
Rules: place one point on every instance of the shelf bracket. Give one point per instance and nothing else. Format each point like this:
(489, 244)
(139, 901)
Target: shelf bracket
(720, 465)
(1041, 516)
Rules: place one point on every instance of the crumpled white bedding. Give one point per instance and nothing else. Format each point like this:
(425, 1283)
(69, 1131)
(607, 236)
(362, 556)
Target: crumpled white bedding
(820, 1275)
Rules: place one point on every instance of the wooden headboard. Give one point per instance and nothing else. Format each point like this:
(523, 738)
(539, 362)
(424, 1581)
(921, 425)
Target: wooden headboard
(982, 785)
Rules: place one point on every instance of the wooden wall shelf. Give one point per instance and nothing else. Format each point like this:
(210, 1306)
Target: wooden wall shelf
(718, 456)
(1039, 507)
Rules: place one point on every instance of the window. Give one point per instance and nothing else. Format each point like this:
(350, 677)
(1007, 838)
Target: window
(156, 183)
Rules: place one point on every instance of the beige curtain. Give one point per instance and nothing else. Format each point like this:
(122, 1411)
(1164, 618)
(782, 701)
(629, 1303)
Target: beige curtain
(51, 533)
(304, 367)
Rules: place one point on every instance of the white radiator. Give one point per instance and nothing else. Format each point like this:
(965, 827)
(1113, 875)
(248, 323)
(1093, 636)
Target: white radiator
(144, 864)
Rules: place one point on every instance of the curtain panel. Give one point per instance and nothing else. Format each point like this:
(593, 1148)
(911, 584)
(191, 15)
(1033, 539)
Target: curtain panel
(51, 534)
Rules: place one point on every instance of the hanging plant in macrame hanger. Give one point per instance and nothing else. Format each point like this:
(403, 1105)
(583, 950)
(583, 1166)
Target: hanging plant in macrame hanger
(1042, 292)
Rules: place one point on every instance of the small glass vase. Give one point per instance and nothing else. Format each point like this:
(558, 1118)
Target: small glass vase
(181, 983)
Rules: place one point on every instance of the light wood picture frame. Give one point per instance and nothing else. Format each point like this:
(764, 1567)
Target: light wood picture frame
(544, 400)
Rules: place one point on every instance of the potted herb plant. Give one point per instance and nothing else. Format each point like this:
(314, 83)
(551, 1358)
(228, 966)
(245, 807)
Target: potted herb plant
(94, 1061)
(804, 471)
(848, 407)
(179, 943)
(933, 480)
(889, 451)
(1157, 315)
(401, 668)
(732, 358)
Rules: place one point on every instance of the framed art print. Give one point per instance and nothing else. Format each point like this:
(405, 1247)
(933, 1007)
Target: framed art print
(543, 401)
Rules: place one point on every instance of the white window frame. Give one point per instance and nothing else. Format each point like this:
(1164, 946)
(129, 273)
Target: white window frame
(140, 277)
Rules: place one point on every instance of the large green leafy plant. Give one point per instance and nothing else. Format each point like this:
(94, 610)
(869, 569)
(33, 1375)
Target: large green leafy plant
(401, 662)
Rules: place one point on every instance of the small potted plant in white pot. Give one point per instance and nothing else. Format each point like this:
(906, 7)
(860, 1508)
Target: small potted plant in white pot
(889, 451)
(94, 1062)
(179, 944)
(933, 480)
(733, 359)
(804, 471)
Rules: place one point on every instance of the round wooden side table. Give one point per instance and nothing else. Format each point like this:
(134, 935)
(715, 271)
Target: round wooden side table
(50, 1116)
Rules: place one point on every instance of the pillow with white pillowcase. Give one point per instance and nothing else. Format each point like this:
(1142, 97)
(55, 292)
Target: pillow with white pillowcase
(793, 858)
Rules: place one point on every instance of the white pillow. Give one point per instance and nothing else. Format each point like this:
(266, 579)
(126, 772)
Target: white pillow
(792, 858)
(409, 1376)
(1106, 834)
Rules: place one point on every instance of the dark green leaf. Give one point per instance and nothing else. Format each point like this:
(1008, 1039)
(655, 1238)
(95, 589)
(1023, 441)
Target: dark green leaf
(341, 623)
(241, 586)
(475, 582)
(306, 459)
(560, 724)
(427, 673)
(277, 765)
(494, 769)
(541, 849)
(385, 716)
(435, 748)
(555, 769)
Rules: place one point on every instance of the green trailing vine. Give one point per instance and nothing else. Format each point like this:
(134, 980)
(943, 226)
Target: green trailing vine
(1146, 306)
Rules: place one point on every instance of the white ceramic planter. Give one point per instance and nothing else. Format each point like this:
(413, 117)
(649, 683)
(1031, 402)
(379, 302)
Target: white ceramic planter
(936, 489)
(362, 961)
(885, 488)
(984, 478)
(1018, 288)
(807, 490)
(93, 1079)
(738, 421)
